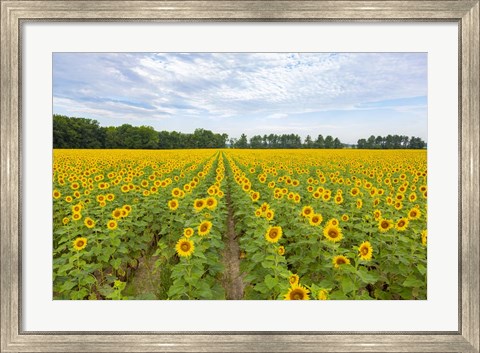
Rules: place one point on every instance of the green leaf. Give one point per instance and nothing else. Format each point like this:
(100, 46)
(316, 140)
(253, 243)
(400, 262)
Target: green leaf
(367, 276)
(116, 263)
(413, 281)
(270, 281)
(347, 285)
(261, 287)
(421, 269)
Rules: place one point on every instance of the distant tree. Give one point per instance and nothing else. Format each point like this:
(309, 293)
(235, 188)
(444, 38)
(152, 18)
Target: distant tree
(265, 141)
(329, 142)
(362, 143)
(308, 143)
(242, 142)
(320, 142)
(256, 141)
(337, 144)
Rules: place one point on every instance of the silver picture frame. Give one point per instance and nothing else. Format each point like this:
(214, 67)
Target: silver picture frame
(16, 13)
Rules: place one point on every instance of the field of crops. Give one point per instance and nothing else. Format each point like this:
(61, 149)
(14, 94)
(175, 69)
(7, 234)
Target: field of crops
(274, 224)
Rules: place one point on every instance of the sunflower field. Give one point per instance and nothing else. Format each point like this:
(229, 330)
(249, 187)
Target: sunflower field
(277, 224)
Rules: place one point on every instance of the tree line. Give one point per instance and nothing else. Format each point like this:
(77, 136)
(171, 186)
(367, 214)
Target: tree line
(87, 133)
(285, 141)
(70, 132)
(391, 142)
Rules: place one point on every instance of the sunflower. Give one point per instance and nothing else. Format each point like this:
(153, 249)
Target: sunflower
(424, 237)
(297, 292)
(365, 250)
(173, 204)
(110, 197)
(90, 223)
(273, 234)
(117, 213)
(80, 243)
(258, 212)
(293, 280)
(56, 194)
(77, 208)
(359, 203)
(127, 208)
(307, 211)
(255, 196)
(377, 214)
(204, 228)
(333, 222)
(322, 294)
(354, 192)
(332, 233)
(281, 250)
(338, 199)
(340, 260)
(184, 247)
(65, 220)
(315, 220)
(269, 214)
(76, 216)
(199, 204)
(384, 225)
(401, 224)
(211, 203)
(176, 192)
(264, 207)
(414, 213)
(112, 224)
(345, 217)
(188, 232)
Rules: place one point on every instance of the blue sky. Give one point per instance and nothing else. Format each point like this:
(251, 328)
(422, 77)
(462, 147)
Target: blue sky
(346, 95)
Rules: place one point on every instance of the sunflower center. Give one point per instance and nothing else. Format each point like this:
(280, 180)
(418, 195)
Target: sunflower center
(296, 294)
(401, 223)
(333, 233)
(364, 251)
(273, 234)
(203, 228)
(185, 247)
(341, 261)
(80, 243)
(384, 225)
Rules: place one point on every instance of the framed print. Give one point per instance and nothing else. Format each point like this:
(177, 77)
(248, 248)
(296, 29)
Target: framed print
(239, 94)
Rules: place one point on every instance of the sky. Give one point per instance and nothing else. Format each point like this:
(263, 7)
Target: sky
(346, 95)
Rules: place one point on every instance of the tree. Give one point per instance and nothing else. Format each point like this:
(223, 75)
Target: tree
(308, 143)
(320, 142)
(256, 142)
(242, 142)
(329, 142)
(336, 143)
(362, 143)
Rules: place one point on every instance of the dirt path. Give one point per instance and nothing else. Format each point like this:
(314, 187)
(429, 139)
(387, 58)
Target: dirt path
(142, 284)
(232, 280)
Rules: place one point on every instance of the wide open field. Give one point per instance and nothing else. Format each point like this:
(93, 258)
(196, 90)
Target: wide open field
(239, 224)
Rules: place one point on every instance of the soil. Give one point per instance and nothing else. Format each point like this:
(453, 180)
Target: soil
(232, 279)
